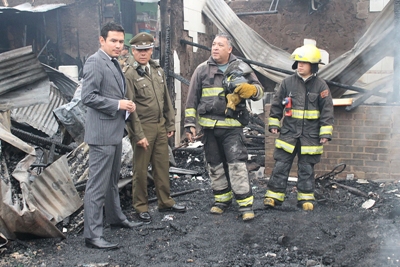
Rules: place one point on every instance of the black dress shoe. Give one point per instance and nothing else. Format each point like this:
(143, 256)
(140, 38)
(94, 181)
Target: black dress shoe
(144, 217)
(127, 224)
(175, 207)
(100, 243)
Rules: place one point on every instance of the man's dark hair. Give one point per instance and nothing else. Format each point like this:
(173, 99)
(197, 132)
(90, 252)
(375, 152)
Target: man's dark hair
(226, 36)
(111, 26)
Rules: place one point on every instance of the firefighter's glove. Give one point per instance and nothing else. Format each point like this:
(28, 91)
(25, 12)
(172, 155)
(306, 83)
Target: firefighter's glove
(246, 90)
(233, 100)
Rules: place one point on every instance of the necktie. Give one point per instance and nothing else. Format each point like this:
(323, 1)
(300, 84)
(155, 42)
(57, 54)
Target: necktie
(116, 64)
(147, 70)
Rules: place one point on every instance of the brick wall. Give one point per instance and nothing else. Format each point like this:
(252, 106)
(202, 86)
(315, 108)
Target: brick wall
(366, 139)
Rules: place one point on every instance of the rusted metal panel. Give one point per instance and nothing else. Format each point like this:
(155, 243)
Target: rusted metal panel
(41, 116)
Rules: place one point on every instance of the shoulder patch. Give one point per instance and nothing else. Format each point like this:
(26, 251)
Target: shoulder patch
(324, 93)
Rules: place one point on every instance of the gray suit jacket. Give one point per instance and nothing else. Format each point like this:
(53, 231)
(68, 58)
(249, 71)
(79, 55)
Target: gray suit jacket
(102, 88)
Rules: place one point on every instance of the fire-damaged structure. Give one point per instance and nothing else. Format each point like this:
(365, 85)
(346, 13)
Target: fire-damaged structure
(44, 160)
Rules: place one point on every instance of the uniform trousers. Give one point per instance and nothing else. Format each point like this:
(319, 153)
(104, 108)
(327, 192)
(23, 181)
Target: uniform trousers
(156, 154)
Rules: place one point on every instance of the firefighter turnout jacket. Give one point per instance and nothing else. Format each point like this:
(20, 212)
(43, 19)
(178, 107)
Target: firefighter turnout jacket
(224, 146)
(311, 114)
(206, 101)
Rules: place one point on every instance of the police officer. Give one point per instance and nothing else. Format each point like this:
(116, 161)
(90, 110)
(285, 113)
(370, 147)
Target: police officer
(150, 127)
(208, 104)
(304, 102)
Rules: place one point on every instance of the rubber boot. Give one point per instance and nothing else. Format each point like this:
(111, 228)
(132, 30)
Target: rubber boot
(308, 206)
(219, 207)
(269, 202)
(247, 213)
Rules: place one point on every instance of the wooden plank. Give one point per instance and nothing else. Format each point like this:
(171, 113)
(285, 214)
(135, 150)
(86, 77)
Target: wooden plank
(342, 102)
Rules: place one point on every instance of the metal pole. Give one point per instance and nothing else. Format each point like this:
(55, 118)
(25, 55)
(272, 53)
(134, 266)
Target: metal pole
(396, 64)
(256, 13)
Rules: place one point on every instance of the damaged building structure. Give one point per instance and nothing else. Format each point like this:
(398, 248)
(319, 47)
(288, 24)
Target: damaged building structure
(45, 43)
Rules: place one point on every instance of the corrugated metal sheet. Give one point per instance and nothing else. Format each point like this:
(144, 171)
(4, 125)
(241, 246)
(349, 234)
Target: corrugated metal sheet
(27, 7)
(43, 201)
(248, 41)
(41, 116)
(64, 83)
(55, 193)
(19, 68)
(23, 81)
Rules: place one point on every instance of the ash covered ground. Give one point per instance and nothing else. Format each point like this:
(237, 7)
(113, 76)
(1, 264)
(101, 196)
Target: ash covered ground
(339, 232)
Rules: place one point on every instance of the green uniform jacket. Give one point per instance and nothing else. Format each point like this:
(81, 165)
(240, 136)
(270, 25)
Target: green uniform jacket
(150, 94)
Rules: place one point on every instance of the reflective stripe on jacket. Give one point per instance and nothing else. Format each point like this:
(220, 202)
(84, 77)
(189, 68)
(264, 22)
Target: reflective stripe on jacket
(312, 114)
(206, 101)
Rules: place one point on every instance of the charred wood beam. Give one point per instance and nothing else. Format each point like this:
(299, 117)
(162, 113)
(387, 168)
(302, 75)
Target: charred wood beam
(255, 148)
(254, 136)
(396, 65)
(165, 10)
(364, 97)
(256, 152)
(345, 86)
(256, 128)
(255, 119)
(192, 150)
(179, 78)
(46, 143)
(183, 42)
(167, 60)
(352, 190)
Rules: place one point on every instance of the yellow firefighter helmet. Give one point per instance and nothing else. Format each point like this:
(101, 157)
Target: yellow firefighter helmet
(307, 53)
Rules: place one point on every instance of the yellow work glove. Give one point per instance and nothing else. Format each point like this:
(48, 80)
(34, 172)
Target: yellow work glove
(246, 90)
(233, 100)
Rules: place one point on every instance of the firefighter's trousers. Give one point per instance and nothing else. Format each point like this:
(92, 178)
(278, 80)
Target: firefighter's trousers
(277, 184)
(226, 156)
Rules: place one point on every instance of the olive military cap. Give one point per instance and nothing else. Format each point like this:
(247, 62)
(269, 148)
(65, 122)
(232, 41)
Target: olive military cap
(142, 40)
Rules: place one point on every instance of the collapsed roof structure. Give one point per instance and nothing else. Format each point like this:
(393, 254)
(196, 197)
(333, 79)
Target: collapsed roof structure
(374, 45)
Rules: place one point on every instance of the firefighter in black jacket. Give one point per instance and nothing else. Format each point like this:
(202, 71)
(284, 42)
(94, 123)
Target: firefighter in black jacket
(305, 103)
(209, 105)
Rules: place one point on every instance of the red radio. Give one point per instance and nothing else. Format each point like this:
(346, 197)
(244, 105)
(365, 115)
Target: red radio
(287, 102)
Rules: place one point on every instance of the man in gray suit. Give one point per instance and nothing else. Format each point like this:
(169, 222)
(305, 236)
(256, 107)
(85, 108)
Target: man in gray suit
(103, 92)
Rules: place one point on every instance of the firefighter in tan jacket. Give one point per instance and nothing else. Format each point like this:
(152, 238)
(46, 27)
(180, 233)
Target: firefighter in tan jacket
(207, 104)
(303, 104)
